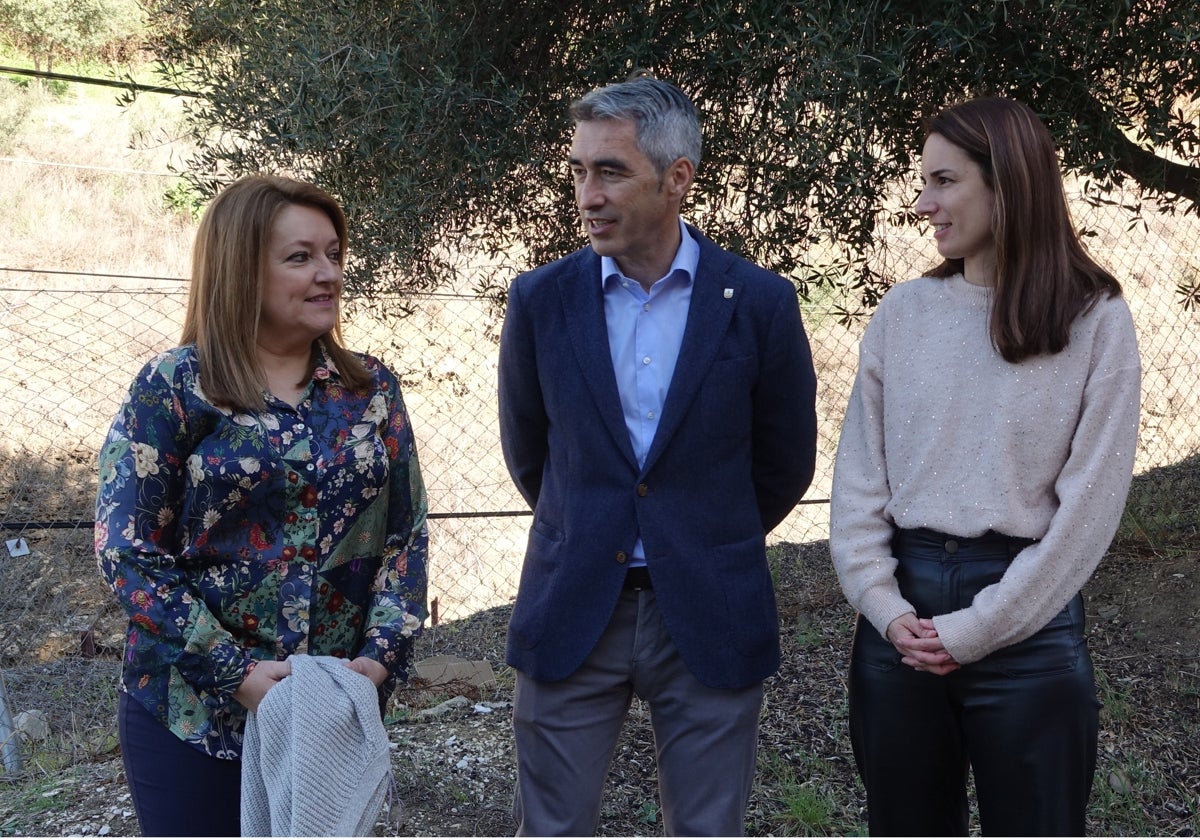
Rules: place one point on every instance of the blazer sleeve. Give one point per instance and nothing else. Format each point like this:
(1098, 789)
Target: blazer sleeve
(523, 421)
(785, 415)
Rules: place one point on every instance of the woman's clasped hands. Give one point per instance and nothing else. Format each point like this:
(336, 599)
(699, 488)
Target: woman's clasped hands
(917, 641)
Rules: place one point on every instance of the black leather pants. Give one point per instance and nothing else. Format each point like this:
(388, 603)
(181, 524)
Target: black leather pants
(1023, 719)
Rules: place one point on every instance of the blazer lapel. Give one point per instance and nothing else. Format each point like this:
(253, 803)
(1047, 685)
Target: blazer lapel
(715, 293)
(583, 311)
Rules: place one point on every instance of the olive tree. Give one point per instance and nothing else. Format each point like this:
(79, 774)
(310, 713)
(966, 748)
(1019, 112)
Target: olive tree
(442, 123)
(49, 31)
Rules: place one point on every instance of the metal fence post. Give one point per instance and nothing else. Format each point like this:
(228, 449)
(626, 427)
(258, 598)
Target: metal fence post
(8, 733)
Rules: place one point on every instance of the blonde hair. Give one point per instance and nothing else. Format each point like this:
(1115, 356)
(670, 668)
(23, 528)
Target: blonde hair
(228, 271)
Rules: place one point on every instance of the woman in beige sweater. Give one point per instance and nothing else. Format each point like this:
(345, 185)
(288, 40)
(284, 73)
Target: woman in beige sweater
(982, 470)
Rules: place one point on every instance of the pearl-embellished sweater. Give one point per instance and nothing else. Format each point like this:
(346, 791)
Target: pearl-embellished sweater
(941, 432)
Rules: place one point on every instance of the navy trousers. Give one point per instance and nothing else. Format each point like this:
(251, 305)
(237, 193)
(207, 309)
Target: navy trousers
(1024, 719)
(177, 790)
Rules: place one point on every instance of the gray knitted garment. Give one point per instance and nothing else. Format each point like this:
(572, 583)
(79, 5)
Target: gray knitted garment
(315, 762)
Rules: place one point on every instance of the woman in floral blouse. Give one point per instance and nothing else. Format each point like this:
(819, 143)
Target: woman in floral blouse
(259, 496)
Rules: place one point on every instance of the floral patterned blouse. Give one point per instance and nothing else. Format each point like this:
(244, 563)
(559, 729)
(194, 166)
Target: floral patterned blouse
(234, 537)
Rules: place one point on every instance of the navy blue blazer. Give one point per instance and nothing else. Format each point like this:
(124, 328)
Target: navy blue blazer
(733, 454)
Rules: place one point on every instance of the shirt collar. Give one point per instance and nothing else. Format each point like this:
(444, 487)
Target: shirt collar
(687, 259)
(324, 367)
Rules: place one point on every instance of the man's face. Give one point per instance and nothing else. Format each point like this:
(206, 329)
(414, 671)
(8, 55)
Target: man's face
(629, 212)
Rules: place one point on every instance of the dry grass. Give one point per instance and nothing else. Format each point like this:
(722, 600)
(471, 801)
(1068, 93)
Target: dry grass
(76, 203)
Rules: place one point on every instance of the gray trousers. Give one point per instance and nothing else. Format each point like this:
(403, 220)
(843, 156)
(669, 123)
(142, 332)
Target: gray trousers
(705, 739)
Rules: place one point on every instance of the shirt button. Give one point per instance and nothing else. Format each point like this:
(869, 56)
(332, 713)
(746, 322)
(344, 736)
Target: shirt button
(645, 360)
(311, 466)
(622, 557)
(643, 490)
(649, 415)
(645, 307)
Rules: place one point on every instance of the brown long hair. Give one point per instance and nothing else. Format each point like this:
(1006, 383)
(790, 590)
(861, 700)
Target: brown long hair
(225, 299)
(1044, 277)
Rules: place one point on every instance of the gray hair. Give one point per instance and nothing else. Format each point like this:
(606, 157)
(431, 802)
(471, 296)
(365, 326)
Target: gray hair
(666, 125)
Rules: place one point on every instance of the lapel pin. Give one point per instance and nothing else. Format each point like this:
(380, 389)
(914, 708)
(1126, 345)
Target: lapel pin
(728, 294)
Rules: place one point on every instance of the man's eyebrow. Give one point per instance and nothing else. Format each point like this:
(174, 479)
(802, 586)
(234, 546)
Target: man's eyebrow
(601, 163)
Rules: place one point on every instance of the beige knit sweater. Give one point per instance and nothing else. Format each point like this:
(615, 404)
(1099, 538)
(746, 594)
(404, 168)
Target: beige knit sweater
(942, 433)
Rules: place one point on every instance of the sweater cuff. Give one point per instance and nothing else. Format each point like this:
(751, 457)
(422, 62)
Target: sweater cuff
(882, 605)
(962, 636)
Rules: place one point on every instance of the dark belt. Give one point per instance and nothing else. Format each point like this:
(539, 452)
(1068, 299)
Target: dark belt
(638, 577)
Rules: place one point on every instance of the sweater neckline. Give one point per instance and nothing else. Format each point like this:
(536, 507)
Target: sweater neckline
(980, 295)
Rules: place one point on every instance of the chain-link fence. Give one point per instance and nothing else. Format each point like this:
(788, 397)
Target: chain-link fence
(72, 343)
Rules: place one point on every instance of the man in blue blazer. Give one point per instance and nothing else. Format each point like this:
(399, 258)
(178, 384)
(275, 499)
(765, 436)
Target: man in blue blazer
(657, 413)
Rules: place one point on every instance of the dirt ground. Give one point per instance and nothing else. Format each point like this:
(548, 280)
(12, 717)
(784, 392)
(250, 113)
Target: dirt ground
(454, 770)
(1147, 605)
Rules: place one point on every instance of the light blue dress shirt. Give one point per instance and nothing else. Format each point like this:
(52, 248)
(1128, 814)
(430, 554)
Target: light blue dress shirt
(645, 331)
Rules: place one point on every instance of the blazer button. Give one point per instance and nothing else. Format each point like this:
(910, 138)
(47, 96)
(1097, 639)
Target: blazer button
(643, 490)
(622, 557)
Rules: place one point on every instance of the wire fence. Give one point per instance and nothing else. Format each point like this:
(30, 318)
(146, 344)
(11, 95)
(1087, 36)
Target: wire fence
(73, 342)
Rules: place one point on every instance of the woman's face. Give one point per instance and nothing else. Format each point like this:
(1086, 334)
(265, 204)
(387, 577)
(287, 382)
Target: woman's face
(303, 283)
(959, 204)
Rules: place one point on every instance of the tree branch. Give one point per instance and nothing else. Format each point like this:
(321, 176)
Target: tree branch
(1151, 171)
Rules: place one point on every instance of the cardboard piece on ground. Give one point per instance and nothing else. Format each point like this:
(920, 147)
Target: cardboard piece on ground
(443, 669)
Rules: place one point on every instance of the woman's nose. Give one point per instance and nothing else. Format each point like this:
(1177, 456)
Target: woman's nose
(924, 205)
(328, 270)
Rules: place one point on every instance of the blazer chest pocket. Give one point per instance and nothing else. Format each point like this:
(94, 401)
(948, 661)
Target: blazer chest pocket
(725, 407)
